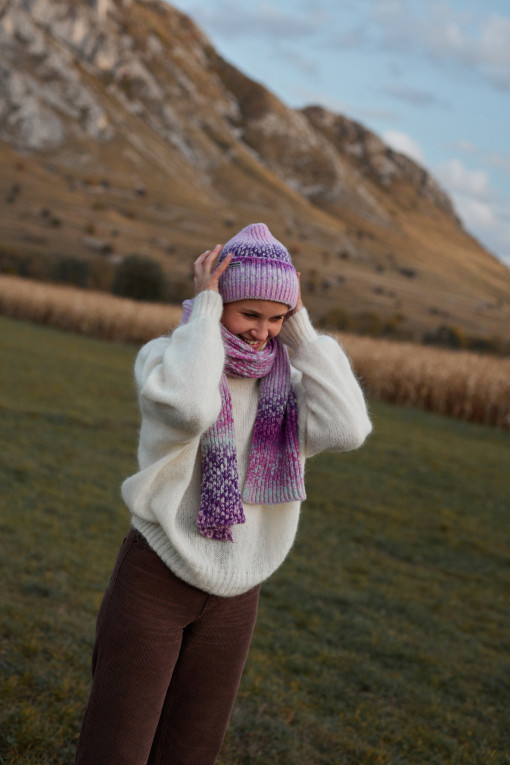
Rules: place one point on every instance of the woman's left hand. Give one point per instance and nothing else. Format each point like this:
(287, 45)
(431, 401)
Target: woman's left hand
(204, 277)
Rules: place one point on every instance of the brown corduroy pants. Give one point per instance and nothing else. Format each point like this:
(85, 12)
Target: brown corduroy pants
(167, 663)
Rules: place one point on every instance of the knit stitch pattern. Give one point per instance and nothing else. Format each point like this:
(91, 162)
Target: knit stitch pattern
(274, 473)
(261, 268)
(177, 379)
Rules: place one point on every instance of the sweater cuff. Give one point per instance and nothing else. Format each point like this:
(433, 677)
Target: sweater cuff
(297, 329)
(207, 304)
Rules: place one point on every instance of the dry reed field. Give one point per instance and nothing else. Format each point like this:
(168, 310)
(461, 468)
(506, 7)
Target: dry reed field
(460, 384)
(97, 314)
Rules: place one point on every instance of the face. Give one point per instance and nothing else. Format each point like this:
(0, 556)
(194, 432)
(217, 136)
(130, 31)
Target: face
(254, 321)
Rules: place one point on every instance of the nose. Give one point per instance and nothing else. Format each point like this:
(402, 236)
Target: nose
(260, 331)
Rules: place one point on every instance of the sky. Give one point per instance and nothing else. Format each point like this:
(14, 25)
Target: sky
(431, 78)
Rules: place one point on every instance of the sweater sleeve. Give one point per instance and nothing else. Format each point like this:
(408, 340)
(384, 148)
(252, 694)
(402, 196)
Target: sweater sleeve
(332, 410)
(178, 376)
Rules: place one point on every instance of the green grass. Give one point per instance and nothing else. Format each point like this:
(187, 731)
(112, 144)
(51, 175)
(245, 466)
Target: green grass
(384, 638)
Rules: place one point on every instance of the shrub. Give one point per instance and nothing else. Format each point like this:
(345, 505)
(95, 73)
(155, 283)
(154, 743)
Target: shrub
(336, 318)
(140, 278)
(69, 270)
(369, 323)
(446, 336)
(393, 326)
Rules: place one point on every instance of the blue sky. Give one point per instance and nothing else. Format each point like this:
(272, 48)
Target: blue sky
(431, 78)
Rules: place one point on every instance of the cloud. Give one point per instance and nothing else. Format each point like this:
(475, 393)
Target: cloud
(466, 147)
(433, 29)
(477, 214)
(403, 143)
(415, 96)
(492, 159)
(489, 222)
(314, 97)
(265, 24)
(296, 59)
(338, 106)
(483, 211)
(373, 113)
(473, 183)
(499, 160)
(228, 17)
(494, 50)
(446, 35)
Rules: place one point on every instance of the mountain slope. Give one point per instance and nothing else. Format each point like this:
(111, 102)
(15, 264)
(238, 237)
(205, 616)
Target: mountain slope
(123, 131)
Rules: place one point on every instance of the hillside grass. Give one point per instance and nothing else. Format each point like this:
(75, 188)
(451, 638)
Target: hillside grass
(383, 639)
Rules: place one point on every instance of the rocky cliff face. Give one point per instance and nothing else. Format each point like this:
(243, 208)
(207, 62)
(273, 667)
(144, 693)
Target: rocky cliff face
(70, 70)
(129, 125)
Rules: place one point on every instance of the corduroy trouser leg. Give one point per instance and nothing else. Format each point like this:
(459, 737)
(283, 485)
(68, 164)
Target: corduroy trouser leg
(167, 663)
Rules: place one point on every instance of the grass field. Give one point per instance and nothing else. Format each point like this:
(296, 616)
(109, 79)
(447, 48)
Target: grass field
(383, 639)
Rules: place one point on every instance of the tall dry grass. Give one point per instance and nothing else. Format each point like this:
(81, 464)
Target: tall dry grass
(97, 314)
(460, 384)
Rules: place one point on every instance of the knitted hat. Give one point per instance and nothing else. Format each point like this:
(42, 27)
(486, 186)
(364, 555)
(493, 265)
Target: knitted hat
(260, 268)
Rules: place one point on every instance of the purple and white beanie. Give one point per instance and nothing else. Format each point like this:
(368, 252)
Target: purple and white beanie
(261, 268)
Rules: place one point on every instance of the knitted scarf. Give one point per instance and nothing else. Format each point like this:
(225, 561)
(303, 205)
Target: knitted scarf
(274, 471)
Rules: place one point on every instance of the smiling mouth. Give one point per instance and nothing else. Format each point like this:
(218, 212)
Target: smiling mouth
(253, 343)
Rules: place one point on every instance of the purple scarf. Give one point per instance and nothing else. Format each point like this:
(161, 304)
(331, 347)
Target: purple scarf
(274, 470)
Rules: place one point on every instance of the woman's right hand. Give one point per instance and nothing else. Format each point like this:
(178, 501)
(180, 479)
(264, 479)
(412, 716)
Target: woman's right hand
(204, 277)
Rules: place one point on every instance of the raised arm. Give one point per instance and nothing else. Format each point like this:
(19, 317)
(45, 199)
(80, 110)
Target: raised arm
(178, 376)
(332, 410)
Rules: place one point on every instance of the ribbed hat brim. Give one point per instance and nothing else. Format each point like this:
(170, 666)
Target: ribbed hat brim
(260, 279)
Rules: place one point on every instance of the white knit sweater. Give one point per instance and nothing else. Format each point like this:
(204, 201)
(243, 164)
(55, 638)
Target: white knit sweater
(178, 379)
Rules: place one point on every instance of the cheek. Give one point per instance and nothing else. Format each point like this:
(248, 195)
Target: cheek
(275, 330)
(235, 324)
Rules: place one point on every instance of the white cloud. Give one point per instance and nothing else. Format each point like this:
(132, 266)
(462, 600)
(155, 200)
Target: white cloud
(228, 17)
(499, 160)
(494, 50)
(483, 211)
(433, 29)
(466, 147)
(473, 183)
(489, 222)
(403, 143)
(295, 58)
(491, 159)
(445, 35)
(475, 213)
(414, 96)
(362, 113)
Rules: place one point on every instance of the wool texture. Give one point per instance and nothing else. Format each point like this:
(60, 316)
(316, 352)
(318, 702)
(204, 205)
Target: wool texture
(177, 380)
(261, 268)
(274, 472)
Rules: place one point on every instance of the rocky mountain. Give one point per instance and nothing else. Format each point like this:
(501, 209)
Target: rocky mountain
(123, 131)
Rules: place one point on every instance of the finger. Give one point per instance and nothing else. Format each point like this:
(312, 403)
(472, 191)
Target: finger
(213, 254)
(221, 267)
(199, 262)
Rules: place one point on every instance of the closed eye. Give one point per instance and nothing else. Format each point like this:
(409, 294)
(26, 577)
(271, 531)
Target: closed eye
(249, 315)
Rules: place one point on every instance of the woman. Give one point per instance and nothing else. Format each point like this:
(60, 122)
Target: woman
(227, 422)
